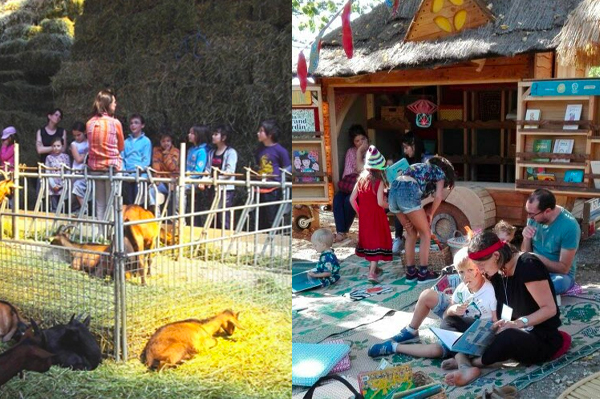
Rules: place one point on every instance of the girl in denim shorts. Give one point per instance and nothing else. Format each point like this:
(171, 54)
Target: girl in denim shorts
(413, 185)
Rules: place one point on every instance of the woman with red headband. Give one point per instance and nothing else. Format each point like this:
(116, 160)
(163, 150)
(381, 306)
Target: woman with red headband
(529, 318)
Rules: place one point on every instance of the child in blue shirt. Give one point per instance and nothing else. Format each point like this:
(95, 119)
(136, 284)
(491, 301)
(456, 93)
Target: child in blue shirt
(137, 153)
(197, 155)
(328, 267)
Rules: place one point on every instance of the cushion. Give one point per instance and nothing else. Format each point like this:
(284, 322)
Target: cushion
(564, 347)
(312, 361)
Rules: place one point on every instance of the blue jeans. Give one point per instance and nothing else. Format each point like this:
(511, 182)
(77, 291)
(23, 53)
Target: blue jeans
(561, 282)
(343, 213)
(404, 196)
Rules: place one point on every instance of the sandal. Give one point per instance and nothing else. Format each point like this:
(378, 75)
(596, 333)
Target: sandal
(339, 237)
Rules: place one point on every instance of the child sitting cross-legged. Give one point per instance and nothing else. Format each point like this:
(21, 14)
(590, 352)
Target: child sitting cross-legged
(328, 266)
(472, 299)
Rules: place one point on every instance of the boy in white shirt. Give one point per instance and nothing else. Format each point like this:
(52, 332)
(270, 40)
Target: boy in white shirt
(472, 299)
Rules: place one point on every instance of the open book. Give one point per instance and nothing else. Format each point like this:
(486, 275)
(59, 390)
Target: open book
(391, 172)
(472, 342)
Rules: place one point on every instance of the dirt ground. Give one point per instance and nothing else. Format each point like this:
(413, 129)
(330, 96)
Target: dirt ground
(587, 276)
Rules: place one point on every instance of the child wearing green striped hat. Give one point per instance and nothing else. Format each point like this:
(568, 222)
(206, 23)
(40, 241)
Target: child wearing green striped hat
(370, 203)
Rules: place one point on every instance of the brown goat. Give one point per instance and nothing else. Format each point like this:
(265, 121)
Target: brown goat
(175, 342)
(142, 236)
(10, 322)
(81, 260)
(26, 355)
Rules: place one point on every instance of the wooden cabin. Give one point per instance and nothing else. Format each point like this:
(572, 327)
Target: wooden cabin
(468, 58)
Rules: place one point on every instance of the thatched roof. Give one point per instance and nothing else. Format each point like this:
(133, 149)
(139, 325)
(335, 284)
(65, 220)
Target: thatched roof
(521, 26)
(579, 41)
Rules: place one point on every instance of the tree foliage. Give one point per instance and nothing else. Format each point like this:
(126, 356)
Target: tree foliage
(313, 15)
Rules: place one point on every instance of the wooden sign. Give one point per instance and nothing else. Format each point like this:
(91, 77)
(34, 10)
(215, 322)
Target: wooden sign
(299, 98)
(304, 120)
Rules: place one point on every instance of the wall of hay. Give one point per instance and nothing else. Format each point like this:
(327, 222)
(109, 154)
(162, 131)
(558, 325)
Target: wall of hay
(184, 62)
(177, 62)
(35, 38)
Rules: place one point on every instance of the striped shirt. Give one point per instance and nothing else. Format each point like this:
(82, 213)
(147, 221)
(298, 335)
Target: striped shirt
(105, 137)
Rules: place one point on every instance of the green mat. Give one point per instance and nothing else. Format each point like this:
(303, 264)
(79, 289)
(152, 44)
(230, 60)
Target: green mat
(580, 317)
(322, 312)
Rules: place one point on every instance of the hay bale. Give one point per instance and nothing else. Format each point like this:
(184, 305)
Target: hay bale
(41, 62)
(62, 26)
(51, 41)
(13, 46)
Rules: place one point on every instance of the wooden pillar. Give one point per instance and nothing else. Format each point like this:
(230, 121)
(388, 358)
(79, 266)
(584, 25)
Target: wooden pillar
(466, 170)
(543, 65)
(503, 151)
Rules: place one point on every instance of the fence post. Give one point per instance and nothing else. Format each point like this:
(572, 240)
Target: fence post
(119, 258)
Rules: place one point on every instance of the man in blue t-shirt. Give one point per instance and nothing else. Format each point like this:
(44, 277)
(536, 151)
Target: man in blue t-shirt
(552, 234)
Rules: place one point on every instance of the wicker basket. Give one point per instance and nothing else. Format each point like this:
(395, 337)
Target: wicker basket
(437, 259)
(420, 379)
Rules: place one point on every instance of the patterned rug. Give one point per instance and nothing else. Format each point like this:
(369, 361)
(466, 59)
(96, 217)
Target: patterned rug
(580, 317)
(322, 312)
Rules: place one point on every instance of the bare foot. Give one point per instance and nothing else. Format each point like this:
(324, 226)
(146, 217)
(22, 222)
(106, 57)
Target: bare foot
(450, 364)
(463, 376)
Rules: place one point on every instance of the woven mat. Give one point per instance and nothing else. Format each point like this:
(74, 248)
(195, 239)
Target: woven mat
(323, 312)
(580, 317)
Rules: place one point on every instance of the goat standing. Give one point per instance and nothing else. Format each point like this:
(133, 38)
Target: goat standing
(175, 342)
(142, 236)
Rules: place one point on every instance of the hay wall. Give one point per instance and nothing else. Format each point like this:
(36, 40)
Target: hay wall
(182, 62)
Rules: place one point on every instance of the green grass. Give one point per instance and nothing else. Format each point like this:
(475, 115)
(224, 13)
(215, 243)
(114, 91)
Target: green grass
(252, 363)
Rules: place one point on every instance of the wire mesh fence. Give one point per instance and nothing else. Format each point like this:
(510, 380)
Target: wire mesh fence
(59, 261)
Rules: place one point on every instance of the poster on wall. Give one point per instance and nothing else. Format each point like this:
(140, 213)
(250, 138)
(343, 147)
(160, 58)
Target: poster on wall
(306, 162)
(305, 120)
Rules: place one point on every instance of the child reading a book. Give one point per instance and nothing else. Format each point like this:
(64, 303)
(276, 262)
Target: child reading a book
(505, 231)
(474, 298)
(328, 266)
(374, 236)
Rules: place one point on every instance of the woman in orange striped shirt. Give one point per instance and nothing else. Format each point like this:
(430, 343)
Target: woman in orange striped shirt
(105, 137)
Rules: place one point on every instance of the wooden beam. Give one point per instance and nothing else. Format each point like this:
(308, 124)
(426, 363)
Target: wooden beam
(508, 69)
(542, 65)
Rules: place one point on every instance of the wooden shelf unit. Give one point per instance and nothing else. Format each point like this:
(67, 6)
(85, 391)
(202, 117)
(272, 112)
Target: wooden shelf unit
(310, 172)
(586, 148)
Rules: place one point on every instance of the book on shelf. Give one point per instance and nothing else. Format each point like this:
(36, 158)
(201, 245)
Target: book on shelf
(563, 146)
(595, 165)
(572, 113)
(574, 176)
(532, 115)
(542, 145)
(380, 384)
(472, 342)
(546, 176)
(533, 172)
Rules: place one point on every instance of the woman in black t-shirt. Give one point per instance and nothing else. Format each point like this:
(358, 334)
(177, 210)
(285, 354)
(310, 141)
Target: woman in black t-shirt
(521, 283)
(45, 135)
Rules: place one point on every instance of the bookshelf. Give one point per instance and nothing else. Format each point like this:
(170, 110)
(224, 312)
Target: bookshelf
(539, 141)
(310, 164)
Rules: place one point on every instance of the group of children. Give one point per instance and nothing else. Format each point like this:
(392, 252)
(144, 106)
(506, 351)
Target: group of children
(209, 147)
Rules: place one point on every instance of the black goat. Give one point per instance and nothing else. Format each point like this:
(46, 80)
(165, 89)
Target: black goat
(73, 345)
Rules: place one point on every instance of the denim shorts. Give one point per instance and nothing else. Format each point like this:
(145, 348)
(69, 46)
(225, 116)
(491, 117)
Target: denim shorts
(442, 305)
(404, 196)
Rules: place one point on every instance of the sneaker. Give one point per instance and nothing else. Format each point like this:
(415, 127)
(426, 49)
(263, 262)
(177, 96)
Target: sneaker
(411, 277)
(397, 246)
(405, 337)
(382, 349)
(427, 277)
(373, 278)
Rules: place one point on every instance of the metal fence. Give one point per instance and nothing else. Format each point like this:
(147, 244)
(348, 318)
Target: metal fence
(199, 266)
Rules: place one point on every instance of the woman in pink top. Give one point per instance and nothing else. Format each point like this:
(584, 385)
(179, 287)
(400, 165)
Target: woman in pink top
(354, 162)
(105, 138)
(7, 153)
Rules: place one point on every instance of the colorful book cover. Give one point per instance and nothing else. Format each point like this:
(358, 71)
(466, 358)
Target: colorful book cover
(392, 171)
(546, 176)
(305, 162)
(574, 176)
(532, 115)
(573, 113)
(542, 145)
(472, 342)
(380, 384)
(563, 146)
(533, 172)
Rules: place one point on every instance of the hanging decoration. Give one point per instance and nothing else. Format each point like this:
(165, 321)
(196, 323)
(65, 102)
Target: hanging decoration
(393, 4)
(347, 40)
(315, 50)
(423, 109)
(302, 73)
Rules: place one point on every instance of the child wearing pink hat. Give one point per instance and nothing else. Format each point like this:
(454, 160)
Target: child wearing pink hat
(374, 236)
(7, 152)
